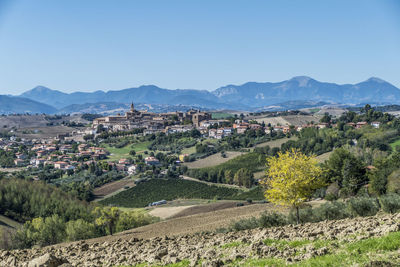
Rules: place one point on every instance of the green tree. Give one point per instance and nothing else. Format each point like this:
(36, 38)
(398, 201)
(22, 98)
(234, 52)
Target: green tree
(107, 217)
(79, 229)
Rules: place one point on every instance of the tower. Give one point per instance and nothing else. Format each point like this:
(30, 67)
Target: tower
(132, 107)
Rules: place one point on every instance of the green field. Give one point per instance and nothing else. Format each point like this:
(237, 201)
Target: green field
(5, 221)
(170, 189)
(394, 144)
(221, 115)
(123, 152)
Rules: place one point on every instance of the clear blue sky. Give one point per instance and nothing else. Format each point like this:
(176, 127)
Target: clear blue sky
(88, 45)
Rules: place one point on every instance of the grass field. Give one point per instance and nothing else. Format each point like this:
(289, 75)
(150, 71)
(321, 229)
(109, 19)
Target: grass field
(213, 160)
(324, 157)
(394, 144)
(277, 142)
(189, 150)
(123, 152)
(221, 115)
(5, 221)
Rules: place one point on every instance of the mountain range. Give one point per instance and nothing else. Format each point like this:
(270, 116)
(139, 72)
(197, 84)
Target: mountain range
(248, 96)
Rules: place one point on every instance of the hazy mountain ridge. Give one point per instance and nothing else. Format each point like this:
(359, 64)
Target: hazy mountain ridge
(13, 104)
(248, 96)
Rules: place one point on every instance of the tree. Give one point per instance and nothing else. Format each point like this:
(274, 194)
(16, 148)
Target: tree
(244, 177)
(79, 229)
(107, 217)
(292, 178)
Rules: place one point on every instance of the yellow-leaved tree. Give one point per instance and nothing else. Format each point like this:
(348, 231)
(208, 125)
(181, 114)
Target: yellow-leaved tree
(291, 179)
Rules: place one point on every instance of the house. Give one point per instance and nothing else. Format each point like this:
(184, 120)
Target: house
(40, 153)
(124, 162)
(60, 165)
(20, 156)
(212, 133)
(82, 147)
(151, 161)
(255, 126)
(241, 129)
(38, 162)
(361, 124)
(228, 131)
(19, 162)
(375, 124)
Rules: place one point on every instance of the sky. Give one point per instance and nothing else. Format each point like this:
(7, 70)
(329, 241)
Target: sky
(75, 45)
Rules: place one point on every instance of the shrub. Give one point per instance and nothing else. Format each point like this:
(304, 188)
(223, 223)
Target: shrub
(330, 197)
(305, 215)
(244, 224)
(393, 182)
(363, 206)
(271, 219)
(334, 210)
(390, 203)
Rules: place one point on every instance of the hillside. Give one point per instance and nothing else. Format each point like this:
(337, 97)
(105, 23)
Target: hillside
(298, 92)
(13, 104)
(358, 241)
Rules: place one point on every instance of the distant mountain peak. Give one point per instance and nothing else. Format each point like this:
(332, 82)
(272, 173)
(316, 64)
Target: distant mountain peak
(302, 80)
(376, 79)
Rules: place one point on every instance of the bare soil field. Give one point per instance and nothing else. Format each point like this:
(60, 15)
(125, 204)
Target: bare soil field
(34, 121)
(43, 132)
(296, 120)
(192, 210)
(168, 212)
(213, 160)
(191, 224)
(112, 188)
(362, 241)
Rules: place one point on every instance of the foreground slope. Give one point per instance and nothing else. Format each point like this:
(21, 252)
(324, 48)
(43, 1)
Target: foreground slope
(365, 241)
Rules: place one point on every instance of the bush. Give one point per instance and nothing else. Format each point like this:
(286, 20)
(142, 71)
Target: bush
(363, 206)
(393, 182)
(334, 210)
(271, 219)
(390, 203)
(330, 197)
(306, 215)
(244, 224)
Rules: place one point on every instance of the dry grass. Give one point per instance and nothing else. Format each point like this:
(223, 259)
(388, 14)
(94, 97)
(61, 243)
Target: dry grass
(213, 160)
(296, 120)
(43, 132)
(324, 157)
(277, 142)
